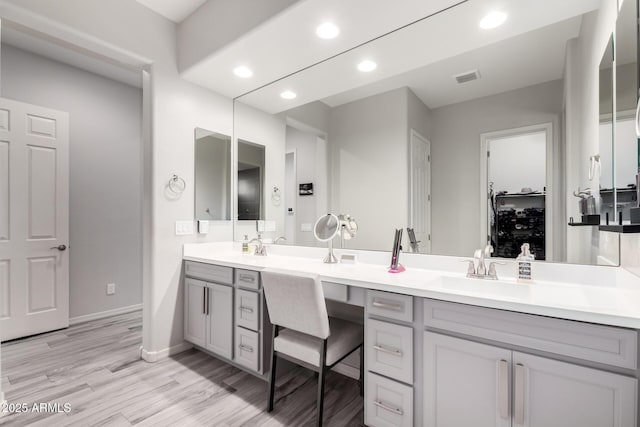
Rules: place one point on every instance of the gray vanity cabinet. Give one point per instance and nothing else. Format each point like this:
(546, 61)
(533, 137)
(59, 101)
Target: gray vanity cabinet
(209, 307)
(225, 315)
(466, 383)
(494, 383)
(220, 320)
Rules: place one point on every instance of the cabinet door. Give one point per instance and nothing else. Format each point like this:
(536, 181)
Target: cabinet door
(548, 393)
(195, 312)
(465, 383)
(220, 320)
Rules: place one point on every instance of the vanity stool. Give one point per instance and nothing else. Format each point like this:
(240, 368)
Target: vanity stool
(303, 333)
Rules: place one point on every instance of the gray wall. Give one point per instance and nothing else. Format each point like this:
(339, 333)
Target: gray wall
(368, 160)
(455, 154)
(105, 174)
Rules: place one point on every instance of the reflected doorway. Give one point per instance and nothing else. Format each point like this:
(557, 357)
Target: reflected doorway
(516, 180)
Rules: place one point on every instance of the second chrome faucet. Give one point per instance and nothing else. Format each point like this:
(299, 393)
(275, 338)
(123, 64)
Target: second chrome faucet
(477, 267)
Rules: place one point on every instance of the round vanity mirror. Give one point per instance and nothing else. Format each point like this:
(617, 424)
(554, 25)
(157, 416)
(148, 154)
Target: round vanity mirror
(327, 227)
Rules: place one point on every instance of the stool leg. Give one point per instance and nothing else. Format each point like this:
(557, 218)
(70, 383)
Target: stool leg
(321, 377)
(272, 373)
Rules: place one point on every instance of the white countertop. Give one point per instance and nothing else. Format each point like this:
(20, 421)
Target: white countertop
(616, 304)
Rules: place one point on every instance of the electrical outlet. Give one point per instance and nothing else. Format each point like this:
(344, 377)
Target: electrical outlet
(111, 288)
(184, 228)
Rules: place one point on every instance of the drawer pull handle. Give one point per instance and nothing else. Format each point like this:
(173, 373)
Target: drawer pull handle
(393, 351)
(380, 404)
(246, 348)
(246, 309)
(246, 278)
(389, 306)
(518, 412)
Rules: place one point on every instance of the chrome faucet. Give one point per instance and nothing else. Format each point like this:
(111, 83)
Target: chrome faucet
(280, 239)
(261, 249)
(477, 267)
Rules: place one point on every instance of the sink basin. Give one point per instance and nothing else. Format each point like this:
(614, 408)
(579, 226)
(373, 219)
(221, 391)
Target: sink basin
(483, 287)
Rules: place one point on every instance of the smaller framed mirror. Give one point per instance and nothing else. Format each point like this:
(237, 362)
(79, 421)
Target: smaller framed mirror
(251, 169)
(212, 176)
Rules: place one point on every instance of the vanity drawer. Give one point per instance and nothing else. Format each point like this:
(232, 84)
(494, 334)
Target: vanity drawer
(387, 403)
(248, 279)
(209, 272)
(335, 291)
(391, 306)
(597, 343)
(389, 350)
(247, 351)
(247, 306)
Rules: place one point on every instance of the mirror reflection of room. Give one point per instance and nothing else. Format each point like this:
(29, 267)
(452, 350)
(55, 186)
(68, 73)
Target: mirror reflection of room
(250, 181)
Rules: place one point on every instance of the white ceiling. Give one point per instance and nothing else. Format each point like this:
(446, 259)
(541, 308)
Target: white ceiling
(287, 42)
(443, 45)
(175, 10)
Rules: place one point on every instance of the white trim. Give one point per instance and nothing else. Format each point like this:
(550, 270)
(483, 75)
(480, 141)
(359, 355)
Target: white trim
(415, 134)
(155, 356)
(104, 314)
(549, 193)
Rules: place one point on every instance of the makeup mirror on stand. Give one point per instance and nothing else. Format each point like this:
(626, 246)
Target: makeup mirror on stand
(326, 228)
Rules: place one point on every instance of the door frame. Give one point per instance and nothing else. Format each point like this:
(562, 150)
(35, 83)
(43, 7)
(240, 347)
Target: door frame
(485, 138)
(294, 202)
(415, 134)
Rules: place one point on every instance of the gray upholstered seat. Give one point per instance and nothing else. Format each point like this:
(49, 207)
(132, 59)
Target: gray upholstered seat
(302, 330)
(344, 338)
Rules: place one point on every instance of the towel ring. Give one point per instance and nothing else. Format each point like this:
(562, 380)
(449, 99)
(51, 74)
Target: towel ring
(177, 185)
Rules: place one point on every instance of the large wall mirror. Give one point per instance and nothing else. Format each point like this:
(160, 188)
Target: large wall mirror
(212, 176)
(468, 140)
(626, 81)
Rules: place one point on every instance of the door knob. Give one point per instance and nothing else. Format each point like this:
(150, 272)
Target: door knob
(60, 248)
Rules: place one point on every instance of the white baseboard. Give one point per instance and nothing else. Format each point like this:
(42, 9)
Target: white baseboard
(103, 314)
(154, 356)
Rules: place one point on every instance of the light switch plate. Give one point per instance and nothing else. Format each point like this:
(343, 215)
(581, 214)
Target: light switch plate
(269, 226)
(203, 226)
(184, 228)
(260, 226)
(305, 226)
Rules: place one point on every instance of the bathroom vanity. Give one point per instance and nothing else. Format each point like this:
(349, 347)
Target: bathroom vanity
(441, 349)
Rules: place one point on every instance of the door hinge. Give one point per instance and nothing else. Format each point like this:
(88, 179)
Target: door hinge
(429, 237)
(429, 197)
(488, 153)
(429, 158)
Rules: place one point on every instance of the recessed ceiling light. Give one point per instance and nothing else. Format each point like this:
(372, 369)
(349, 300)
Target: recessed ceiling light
(327, 30)
(243, 72)
(492, 20)
(287, 94)
(366, 66)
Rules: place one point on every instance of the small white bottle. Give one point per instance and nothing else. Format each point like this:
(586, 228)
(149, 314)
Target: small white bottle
(524, 264)
(245, 245)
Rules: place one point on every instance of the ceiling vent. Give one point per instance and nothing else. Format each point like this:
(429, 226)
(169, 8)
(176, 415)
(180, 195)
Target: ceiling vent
(467, 76)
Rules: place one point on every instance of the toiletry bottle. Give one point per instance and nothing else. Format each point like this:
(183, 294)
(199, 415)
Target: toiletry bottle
(524, 264)
(245, 245)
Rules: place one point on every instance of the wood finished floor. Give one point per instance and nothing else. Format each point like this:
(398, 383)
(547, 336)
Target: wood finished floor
(96, 367)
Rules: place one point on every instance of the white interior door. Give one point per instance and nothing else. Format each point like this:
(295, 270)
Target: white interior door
(290, 208)
(34, 219)
(420, 189)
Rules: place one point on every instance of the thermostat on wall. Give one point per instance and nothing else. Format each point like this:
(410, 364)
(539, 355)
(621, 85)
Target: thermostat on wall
(306, 189)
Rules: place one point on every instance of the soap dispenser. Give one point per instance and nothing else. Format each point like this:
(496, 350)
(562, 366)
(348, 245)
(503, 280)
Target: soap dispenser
(524, 263)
